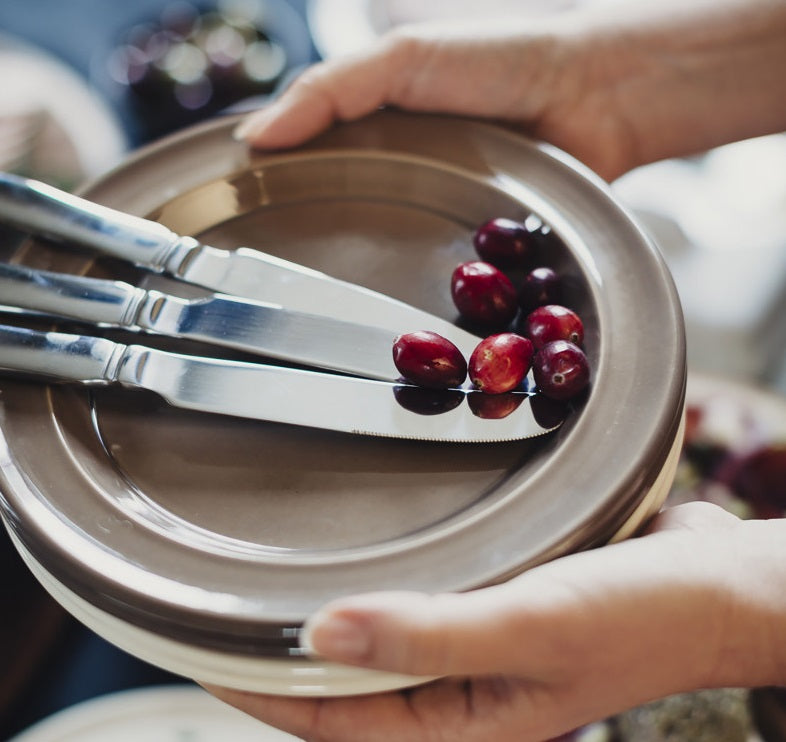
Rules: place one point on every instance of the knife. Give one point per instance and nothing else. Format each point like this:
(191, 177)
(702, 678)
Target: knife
(258, 391)
(242, 324)
(47, 211)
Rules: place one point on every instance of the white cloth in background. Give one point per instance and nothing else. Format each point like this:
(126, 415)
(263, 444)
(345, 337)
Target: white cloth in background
(52, 126)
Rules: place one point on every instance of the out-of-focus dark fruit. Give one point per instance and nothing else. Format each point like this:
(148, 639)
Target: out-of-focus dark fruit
(191, 63)
(483, 294)
(542, 236)
(499, 363)
(425, 401)
(548, 413)
(560, 370)
(553, 322)
(760, 479)
(768, 709)
(494, 406)
(428, 359)
(540, 286)
(504, 243)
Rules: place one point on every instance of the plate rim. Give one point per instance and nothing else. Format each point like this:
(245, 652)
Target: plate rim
(223, 126)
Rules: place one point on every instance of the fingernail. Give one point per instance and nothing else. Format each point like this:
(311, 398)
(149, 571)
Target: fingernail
(242, 131)
(336, 637)
(253, 125)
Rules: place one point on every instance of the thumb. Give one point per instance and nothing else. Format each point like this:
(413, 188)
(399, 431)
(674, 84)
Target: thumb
(419, 634)
(592, 611)
(342, 89)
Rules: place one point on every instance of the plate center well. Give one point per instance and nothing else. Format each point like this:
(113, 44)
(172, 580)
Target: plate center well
(283, 487)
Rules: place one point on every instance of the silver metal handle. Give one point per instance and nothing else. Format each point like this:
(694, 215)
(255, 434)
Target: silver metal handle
(61, 356)
(94, 300)
(47, 211)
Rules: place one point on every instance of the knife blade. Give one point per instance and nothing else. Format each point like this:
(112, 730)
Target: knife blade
(44, 210)
(217, 319)
(261, 392)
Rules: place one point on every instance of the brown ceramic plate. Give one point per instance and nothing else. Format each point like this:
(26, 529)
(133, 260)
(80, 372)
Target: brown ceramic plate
(221, 532)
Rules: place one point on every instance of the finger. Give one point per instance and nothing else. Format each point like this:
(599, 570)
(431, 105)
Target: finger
(588, 614)
(450, 68)
(388, 717)
(431, 635)
(692, 516)
(343, 89)
(294, 715)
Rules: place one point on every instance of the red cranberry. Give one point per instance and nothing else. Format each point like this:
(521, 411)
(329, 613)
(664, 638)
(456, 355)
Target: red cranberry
(494, 406)
(503, 242)
(542, 236)
(760, 478)
(428, 359)
(483, 294)
(540, 286)
(499, 363)
(554, 322)
(560, 369)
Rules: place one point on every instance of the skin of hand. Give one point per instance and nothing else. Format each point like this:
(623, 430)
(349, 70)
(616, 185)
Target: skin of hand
(615, 86)
(697, 602)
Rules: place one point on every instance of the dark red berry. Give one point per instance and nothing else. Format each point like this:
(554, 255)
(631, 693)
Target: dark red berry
(542, 236)
(428, 359)
(540, 286)
(494, 406)
(483, 294)
(560, 370)
(553, 322)
(760, 478)
(503, 242)
(499, 363)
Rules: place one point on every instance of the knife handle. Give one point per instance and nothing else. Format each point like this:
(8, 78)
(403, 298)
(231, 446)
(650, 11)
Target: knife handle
(60, 356)
(43, 210)
(94, 300)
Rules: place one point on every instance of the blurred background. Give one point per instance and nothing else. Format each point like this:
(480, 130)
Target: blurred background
(85, 82)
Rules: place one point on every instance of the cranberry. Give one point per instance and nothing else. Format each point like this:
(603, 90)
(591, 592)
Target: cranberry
(541, 235)
(540, 286)
(560, 369)
(760, 478)
(428, 359)
(554, 322)
(494, 406)
(503, 242)
(499, 363)
(483, 294)
(427, 401)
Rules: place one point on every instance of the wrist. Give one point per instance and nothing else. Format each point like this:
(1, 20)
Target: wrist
(753, 643)
(683, 78)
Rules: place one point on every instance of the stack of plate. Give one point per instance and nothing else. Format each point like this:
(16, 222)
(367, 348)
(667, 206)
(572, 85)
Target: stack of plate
(200, 543)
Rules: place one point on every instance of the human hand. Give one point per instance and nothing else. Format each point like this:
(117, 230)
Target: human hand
(499, 70)
(615, 86)
(698, 602)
